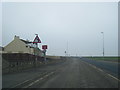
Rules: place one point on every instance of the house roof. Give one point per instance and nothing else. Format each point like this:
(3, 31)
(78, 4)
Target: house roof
(26, 42)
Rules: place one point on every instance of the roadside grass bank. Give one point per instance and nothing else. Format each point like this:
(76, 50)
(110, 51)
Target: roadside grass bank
(111, 59)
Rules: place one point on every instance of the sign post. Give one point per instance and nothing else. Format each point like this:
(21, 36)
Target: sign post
(44, 47)
(36, 41)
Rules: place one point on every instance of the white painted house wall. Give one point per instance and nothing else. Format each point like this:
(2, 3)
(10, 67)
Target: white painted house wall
(16, 46)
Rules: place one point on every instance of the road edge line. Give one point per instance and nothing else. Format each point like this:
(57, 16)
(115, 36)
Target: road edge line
(102, 71)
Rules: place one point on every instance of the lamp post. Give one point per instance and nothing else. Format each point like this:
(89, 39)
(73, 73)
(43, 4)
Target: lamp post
(103, 43)
(67, 49)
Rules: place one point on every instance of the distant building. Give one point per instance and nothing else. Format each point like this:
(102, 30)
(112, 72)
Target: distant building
(22, 46)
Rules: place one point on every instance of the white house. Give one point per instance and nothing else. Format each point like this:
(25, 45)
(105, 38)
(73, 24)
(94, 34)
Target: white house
(22, 46)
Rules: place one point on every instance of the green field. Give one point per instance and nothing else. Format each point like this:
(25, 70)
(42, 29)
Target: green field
(105, 58)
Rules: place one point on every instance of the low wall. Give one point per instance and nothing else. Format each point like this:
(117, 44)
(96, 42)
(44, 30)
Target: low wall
(12, 62)
(18, 61)
(54, 57)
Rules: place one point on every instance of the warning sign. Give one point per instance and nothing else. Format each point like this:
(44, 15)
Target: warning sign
(37, 40)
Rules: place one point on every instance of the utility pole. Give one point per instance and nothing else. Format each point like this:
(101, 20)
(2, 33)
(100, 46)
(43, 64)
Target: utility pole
(67, 48)
(103, 44)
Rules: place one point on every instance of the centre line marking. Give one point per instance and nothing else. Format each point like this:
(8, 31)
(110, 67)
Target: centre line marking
(26, 81)
(20, 83)
(38, 80)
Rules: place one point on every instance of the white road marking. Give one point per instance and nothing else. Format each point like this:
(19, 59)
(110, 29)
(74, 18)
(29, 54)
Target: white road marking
(41, 78)
(96, 67)
(113, 77)
(33, 83)
(27, 81)
(100, 69)
(21, 83)
(46, 75)
(38, 80)
(103, 71)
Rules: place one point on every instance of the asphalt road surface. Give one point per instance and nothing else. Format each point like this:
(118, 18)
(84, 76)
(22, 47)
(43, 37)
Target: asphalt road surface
(73, 73)
(108, 66)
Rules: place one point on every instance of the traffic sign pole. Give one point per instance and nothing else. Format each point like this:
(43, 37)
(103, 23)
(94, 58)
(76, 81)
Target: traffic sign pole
(45, 56)
(44, 47)
(36, 41)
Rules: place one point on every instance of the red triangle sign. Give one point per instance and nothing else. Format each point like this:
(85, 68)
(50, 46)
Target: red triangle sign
(37, 40)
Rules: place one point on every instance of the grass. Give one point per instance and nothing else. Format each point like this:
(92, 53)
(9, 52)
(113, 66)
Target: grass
(105, 58)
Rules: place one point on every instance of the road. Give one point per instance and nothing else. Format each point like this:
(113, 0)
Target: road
(73, 73)
(107, 66)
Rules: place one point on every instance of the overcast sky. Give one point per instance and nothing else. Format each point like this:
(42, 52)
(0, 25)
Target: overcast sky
(78, 24)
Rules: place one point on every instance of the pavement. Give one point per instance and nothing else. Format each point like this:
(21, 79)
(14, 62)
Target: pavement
(72, 73)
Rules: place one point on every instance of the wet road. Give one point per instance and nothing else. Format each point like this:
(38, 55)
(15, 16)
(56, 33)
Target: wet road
(73, 73)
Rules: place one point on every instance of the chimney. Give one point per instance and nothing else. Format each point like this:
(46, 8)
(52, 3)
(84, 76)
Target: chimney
(16, 37)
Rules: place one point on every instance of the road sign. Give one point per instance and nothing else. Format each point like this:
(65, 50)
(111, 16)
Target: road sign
(44, 47)
(37, 40)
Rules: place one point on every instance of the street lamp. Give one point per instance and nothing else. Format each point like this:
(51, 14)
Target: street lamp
(103, 43)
